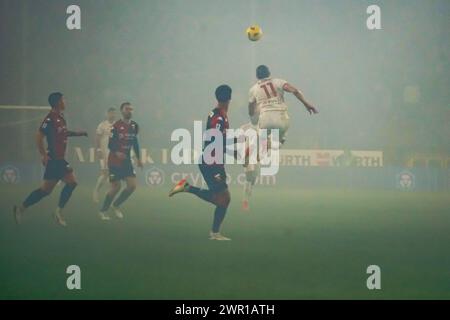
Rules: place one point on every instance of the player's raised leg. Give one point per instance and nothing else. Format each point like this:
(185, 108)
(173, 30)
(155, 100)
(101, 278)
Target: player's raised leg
(217, 194)
(184, 186)
(220, 199)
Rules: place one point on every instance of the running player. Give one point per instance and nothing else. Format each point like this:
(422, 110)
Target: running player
(56, 167)
(123, 138)
(213, 173)
(251, 170)
(266, 98)
(103, 133)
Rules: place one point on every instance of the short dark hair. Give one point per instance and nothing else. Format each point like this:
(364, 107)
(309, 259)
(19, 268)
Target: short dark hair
(223, 93)
(54, 98)
(124, 104)
(112, 109)
(262, 72)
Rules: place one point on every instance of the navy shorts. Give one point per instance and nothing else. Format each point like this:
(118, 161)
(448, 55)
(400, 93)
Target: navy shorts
(117, 173)
(56, 169)
(215, 177)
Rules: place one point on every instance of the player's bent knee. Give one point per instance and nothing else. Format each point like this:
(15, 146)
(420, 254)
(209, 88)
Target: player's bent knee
(224, 203)
(224, 199)
(114, 190)
(46, 191)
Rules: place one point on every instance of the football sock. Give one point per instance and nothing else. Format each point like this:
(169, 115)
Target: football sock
(34, 197)
(201, 193)
(66, 193)
(122, 197)
(219, 215)
(107, 202)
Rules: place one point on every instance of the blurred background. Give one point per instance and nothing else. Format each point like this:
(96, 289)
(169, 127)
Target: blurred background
(384, 90)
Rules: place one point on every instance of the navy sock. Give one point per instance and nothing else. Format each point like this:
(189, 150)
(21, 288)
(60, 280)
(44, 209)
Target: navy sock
(219, 215)
(122, 197)
(107, 202)
(201, 193)
(34, 197)
(65, 195)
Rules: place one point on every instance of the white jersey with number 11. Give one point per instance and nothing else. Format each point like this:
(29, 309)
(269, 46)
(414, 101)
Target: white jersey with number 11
(268, 94)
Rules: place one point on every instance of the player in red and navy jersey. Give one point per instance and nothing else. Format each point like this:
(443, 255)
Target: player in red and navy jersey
(123, 138)
(54, 129)
(213, 171)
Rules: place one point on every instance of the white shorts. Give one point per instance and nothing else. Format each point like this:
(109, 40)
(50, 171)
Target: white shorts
(275, 120)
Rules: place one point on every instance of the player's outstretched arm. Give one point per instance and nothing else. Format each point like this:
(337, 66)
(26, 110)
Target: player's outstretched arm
(299, 95)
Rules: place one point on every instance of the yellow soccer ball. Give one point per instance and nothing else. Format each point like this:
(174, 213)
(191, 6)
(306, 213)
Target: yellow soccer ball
(254, 33)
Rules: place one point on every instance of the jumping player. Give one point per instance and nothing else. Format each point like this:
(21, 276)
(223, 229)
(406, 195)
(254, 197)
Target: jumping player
(266, 98)
(103, 133)
(213, 173)
(54, 129)
(123, 139)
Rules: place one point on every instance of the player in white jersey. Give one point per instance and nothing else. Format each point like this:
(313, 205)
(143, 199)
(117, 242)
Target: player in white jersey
(266, 99)
(251, 170)
(103, 133)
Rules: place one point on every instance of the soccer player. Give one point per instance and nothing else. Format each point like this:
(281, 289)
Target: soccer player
(56, 167)
(103, 133)
(251, 170)
(266, 98)
(123, 138)
(213, 173)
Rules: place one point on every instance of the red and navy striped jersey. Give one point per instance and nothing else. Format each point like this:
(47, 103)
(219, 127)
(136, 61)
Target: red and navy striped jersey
(123, 138)
(55, 130)
(217, 119)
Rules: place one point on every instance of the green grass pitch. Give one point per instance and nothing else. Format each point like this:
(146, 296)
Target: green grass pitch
(294, 244)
